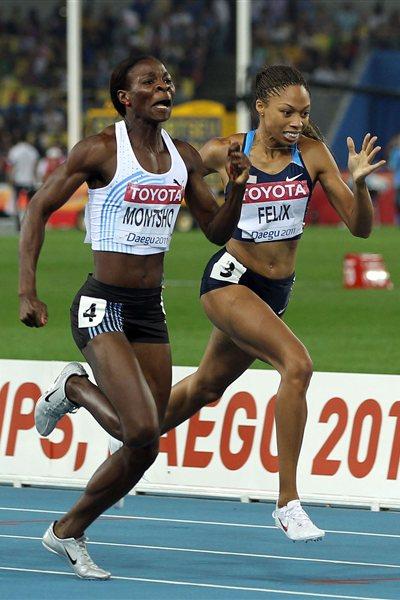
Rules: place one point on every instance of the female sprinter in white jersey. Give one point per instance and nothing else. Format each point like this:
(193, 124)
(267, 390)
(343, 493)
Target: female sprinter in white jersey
(246, 286)
(137, 177)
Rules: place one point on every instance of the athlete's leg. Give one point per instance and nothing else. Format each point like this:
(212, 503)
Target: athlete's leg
(119, 373)
(257, 331)
(148, 356)
(86, 394)
(223, 362)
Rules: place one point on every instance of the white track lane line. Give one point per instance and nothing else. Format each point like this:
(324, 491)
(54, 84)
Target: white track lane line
(222, 553)
(194, 522)
(208, 585)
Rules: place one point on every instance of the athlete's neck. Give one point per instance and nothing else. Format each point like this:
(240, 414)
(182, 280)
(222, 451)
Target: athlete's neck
(269, 145)
(145, 134)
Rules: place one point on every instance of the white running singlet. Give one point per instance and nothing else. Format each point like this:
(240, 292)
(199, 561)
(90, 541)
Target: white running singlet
(136, 212)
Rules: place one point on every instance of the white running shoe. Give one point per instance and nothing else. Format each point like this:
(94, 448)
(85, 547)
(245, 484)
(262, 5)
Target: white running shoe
(296, 524)
(53, 404)
(75, 553)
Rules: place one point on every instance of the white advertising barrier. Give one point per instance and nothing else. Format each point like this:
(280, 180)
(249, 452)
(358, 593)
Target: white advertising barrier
(350, 454)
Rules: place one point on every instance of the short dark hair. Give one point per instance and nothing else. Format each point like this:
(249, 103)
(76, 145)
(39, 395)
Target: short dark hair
(118, 79)
(271, 79)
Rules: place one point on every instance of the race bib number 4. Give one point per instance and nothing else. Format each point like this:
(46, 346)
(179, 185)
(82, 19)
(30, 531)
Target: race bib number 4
(91, 311)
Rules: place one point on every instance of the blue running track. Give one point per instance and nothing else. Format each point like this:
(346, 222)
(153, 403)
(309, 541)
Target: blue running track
(161, 547)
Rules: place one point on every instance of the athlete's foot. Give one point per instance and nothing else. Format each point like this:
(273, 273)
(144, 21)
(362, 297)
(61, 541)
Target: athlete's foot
(54, 404)
(296, 524)
(74, 551)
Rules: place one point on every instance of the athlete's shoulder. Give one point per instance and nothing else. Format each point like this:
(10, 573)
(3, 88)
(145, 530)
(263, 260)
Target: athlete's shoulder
(313, 150)
(311, 145)
(105, 140)
(188, 153)
(184, 147)
(317, 157)
(94, 149)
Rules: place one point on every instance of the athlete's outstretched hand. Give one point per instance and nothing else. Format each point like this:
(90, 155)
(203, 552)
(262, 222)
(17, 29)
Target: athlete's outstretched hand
(360, 164)
(237, 164)
(32, 312)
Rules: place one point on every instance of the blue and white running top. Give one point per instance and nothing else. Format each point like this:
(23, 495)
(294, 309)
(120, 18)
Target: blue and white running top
(136, 212)
(274, 206)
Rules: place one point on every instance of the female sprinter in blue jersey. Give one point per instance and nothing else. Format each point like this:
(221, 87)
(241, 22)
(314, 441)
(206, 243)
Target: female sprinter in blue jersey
(137, 177)
(246, 286)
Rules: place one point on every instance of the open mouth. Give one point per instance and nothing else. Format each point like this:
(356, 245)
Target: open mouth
(166, 103)
(291, 135)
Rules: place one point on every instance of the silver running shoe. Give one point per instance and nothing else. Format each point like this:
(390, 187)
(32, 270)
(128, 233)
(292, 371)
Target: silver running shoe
(53, 404)
(293, 520)
(75, 553)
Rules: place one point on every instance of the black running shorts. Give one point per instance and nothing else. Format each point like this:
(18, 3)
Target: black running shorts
(223, 270)
(100, 308)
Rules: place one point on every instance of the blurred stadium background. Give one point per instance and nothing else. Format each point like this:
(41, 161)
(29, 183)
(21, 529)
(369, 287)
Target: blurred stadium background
(350, 52)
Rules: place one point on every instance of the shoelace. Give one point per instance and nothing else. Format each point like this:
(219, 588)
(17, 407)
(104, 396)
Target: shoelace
(82, 546)
(64, 405)
(298, 514)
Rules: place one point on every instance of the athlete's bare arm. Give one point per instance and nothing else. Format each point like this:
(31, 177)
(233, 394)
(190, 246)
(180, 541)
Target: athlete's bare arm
(216, 222)
(214, 154)
(83, 164)
(355, 209)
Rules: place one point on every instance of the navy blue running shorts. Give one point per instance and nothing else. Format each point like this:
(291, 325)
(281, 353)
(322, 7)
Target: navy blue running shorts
(223, 269)
(101, 308)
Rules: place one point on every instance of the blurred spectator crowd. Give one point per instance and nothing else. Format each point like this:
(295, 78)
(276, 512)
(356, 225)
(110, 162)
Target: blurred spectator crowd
(323, 38)
(33, 50)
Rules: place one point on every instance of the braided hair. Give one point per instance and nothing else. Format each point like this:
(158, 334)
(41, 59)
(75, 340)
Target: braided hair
(271, 79)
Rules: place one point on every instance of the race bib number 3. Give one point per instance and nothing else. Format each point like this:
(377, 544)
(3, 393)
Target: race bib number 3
(228, 269)
(91, 311)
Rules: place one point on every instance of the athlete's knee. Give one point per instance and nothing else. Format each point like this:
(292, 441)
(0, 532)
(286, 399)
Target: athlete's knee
(143, 434)
(150, 453)
(145, 455)
(204, 391)
(298, 368)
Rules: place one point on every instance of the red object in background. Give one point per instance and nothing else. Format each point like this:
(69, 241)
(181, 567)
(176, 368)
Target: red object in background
(365, 271)
(22, 200)
(71, 214)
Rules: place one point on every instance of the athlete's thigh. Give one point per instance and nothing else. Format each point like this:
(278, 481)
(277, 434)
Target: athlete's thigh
(119, 376)
(155, 363)
(223, 361)
(251, 324)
